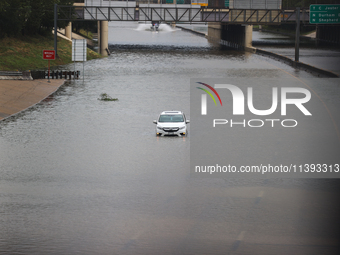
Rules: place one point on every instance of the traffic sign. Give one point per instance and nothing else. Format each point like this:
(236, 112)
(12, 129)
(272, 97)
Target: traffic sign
(324, 14)
(49, 54)
(79, 50)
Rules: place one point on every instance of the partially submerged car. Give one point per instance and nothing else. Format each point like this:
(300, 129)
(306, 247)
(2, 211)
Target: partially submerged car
(154, 26)
(171, 123)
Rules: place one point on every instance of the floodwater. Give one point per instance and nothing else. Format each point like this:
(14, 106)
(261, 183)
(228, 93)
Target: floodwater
(83, 176)
(322, 56)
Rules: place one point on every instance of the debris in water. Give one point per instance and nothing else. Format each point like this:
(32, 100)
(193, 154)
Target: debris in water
(106, 97)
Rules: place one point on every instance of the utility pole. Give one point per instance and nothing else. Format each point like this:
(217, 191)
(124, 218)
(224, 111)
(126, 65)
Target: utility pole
(297, 34)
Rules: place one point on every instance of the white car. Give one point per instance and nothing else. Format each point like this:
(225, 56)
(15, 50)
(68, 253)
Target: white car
(171, 123)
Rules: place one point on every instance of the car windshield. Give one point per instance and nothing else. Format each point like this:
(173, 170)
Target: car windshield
(171, 118)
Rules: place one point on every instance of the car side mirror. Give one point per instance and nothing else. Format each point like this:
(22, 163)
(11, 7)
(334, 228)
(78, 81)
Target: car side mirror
(155, 121)
(187, 121)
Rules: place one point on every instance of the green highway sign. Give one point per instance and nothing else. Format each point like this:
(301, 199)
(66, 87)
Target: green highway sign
(324, 14)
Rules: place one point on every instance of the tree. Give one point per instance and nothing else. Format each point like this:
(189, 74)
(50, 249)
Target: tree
(13, 14)
(28, 17)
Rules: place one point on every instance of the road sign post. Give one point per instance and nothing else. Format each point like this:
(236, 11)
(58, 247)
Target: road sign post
(324, 14)
(55, 28)
(49, 55)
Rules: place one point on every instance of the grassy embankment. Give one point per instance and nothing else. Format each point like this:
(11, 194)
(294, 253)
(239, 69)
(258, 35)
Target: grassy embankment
(26, 53)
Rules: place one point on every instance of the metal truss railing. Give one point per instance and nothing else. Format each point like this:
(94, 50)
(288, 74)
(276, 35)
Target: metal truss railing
(170, 14)
(179, 14)
(290, 15)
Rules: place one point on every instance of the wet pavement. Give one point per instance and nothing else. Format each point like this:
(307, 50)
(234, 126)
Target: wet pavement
(18, 95)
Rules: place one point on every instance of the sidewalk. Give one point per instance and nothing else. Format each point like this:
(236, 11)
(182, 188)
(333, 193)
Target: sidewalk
(18, 95)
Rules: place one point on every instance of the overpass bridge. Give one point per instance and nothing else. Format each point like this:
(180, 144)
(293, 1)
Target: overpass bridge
(178, 13)
(231, 25)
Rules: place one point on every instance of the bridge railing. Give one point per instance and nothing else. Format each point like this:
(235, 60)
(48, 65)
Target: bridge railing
(179, 13)
(137, 2)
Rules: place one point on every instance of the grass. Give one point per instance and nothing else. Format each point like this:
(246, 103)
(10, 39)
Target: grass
(85, 33)
(26, 53)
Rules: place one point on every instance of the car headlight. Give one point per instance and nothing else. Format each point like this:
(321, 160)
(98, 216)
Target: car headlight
(182, 127)
(159, 127)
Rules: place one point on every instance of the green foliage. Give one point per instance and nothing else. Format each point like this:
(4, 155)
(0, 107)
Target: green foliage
(85, 27)
(25, 52)
(106, 97)
(85, 33)
(28, 17)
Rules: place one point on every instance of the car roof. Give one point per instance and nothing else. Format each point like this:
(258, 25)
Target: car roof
(171, 112)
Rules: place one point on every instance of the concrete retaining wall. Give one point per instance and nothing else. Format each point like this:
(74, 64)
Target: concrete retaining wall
(300, 65)
(192, 31)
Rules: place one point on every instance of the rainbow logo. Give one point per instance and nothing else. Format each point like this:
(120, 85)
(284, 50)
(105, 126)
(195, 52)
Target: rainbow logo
(209, 93)
(204, 97)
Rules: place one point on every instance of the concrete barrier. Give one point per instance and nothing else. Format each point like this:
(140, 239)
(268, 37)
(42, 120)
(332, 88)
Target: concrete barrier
(295, 64)
(289, 61)
(15, 75)
(192, 31)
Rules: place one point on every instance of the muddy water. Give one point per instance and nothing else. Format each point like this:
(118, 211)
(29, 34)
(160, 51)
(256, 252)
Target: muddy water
(79, 175)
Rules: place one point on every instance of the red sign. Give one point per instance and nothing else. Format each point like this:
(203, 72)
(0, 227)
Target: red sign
(49, 54)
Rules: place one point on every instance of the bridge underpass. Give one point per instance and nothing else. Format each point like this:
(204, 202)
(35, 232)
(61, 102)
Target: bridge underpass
(232, 27)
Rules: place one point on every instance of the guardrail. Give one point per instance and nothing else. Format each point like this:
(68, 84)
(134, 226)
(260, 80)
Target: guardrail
(70, 75)
(10, 73)
(15, 75)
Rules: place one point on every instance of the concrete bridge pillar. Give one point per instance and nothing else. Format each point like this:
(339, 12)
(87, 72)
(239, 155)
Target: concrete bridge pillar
(248, 36)
(234, 36)
(68, 31)
(103, 37)
(214, 32)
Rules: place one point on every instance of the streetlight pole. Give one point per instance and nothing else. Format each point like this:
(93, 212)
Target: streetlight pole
(55, 28)
(297, 34)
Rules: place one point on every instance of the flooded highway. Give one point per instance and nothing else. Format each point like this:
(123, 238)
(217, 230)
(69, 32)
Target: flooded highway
(83, 176)
(323, 56)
